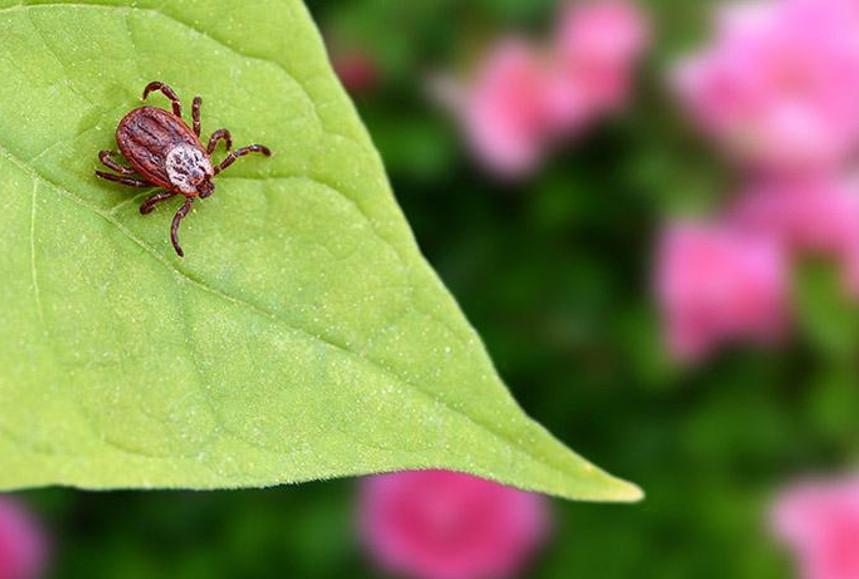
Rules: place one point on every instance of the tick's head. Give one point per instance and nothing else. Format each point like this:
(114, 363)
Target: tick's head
(206, 187)
(190, 170)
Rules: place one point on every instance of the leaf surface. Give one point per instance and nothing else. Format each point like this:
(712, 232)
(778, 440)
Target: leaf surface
(303, 337)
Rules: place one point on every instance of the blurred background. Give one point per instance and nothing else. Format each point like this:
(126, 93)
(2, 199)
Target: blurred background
(643, 290)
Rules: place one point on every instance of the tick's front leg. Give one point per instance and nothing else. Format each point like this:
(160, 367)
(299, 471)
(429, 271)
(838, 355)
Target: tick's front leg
(130, 181)
(195, 114)
(219, 135)
(231, 158)
(168, 92)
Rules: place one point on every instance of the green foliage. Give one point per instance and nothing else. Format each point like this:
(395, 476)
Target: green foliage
(554, 273)
(565, 259)
(824, 307)
(303, 337)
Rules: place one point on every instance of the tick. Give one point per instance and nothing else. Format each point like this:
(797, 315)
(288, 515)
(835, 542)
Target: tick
(164, 151)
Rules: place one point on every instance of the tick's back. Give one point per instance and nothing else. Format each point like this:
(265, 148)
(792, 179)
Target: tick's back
(163, 151)
(146, 135)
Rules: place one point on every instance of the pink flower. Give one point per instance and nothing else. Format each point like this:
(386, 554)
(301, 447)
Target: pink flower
(445, 525)
(504, 110)
(356, 69)
(779, 86)
(812, 214)
(523, 100)
(819, 521)
(22, 544)
(715, 284)
(598, 44)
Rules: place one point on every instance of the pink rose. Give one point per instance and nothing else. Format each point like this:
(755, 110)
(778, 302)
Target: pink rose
(445, 525)
(22, 544)
(779, 85)
(504, 110)
(598, 43)
(356, 69)
(523, 100)
(716, 284)
(812, 214)
(819, 521)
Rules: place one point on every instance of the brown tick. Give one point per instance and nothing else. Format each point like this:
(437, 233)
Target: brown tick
(164, 151)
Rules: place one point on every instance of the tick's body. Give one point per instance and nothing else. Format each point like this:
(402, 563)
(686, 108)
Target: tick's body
(165, 152)
(162, 148)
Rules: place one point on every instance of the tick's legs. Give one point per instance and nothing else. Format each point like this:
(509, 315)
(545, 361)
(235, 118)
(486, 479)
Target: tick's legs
(106, 157)
(195, 114)
(231, 158)
(154, 200)
(220, 134)
(130, 181)
(168, 92)
(174, 228)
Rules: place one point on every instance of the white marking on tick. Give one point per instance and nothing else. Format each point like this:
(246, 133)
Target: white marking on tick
(186, 167)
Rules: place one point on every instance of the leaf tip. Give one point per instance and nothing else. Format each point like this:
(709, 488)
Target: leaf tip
(628, 492)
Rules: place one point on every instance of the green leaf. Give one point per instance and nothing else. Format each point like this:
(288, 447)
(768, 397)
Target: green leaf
(303, 336)
(826, 312)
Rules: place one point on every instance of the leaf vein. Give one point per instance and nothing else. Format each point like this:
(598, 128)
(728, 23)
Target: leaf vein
(180, 275)
(159, 11)
(509, 442)
(34, 275)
